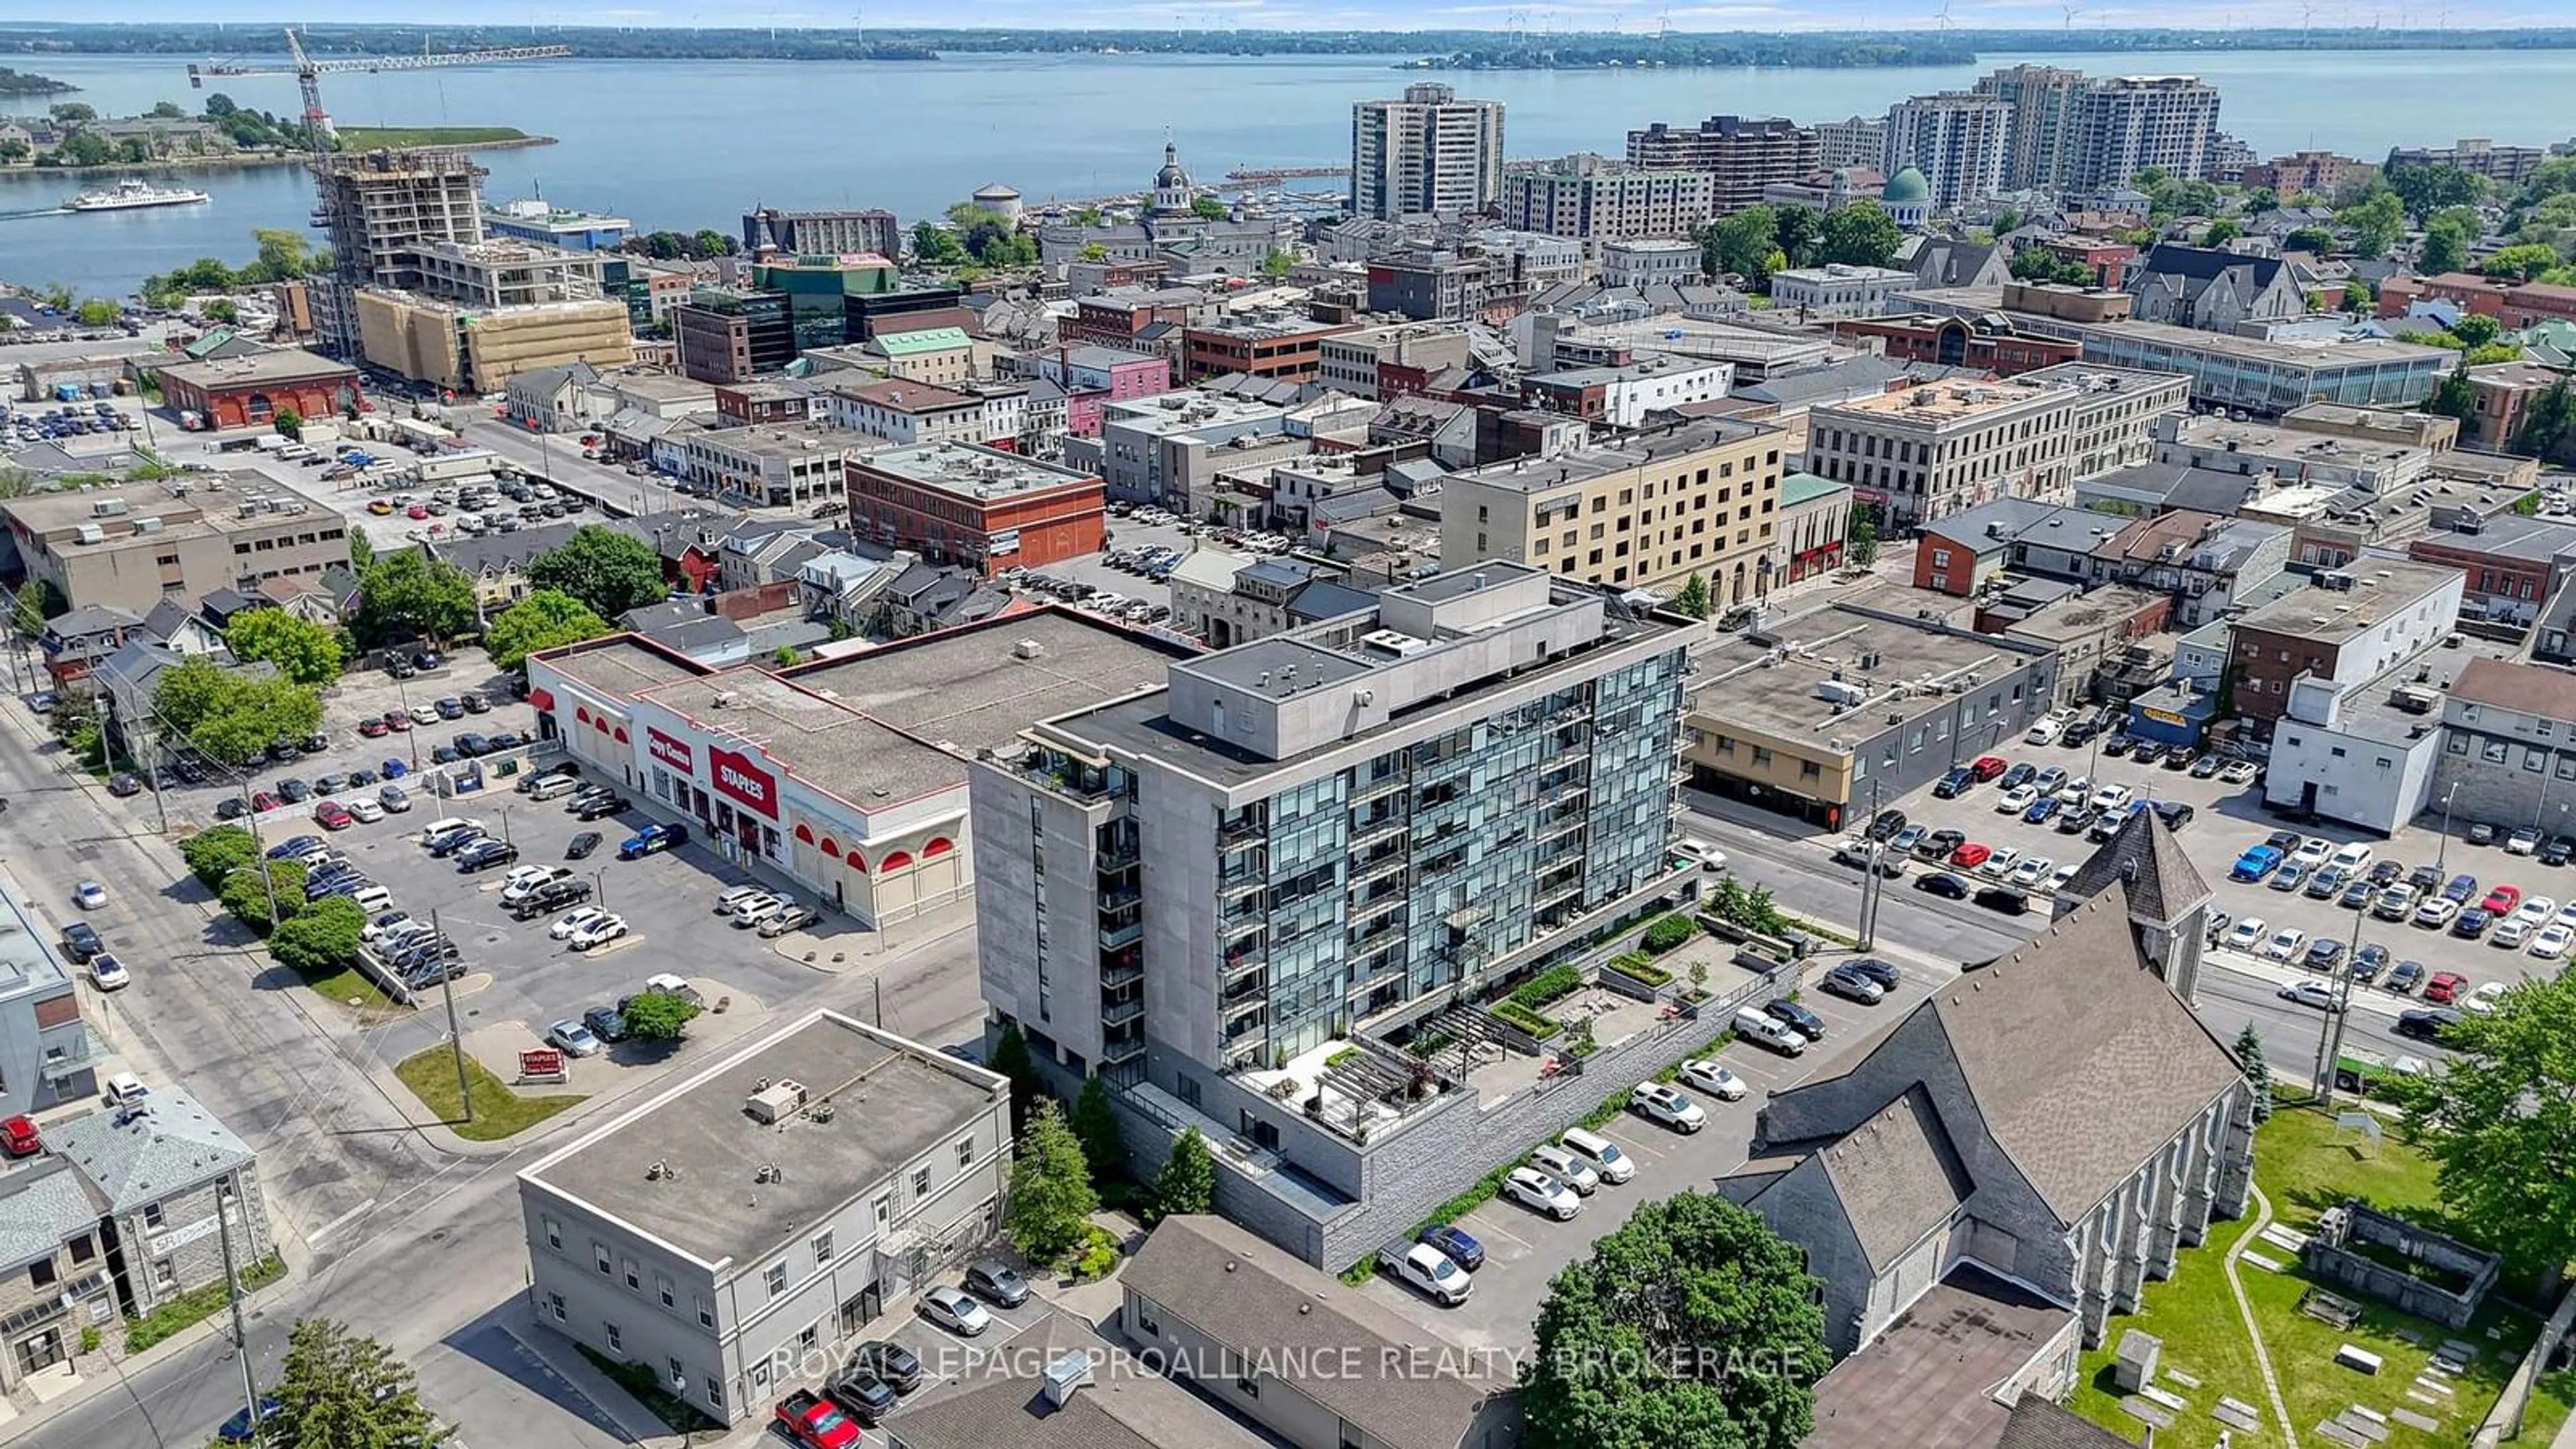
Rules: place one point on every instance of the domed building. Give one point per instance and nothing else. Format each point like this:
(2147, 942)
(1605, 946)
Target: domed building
(1168, 231)
(1002, 201)
(1907, 198)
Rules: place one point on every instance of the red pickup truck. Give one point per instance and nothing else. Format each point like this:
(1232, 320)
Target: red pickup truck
(817, 1422)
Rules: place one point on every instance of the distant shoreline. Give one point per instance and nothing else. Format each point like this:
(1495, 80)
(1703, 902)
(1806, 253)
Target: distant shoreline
(247, 160)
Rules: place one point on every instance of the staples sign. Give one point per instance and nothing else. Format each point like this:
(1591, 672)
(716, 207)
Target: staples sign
(670, 751)
(744, 783)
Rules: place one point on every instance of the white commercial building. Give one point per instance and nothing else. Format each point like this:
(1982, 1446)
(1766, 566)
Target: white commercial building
(1836, 290)
(1428, 152)
(1959, 141)
(1645, 261)
(768, 467)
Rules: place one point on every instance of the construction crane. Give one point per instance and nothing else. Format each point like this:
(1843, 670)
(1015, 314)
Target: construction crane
(340, 299)
(308, 73)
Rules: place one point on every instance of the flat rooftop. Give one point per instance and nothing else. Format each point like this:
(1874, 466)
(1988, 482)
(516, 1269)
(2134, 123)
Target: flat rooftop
(906, 395)
(283, 364)
(1188, 412)
(894, 1100)
(2305, 352)
(27, 960)
(622, 666)
(1617, 455)
(1928, 1382)
(768, 442)
(2381, 585)
(2369, 710)
(1943, 402)
(2266, 440)
(1734, 685)
(971, 473)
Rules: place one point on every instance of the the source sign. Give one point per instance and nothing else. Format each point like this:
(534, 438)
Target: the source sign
(671, 752)
(744, 783)
(542, 1064)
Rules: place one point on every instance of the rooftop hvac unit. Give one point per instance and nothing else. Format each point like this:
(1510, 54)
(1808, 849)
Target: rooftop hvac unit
(106, 507)
(1028, 649)
(91, 533)
(776, 1102)
(1841, 692)
(150, 524)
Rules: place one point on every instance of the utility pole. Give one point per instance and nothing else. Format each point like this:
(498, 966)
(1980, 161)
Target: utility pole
(455, 1037)
(2330, 1032)
(267, 879)
(233, 1296)
(1872, 885)
(2442, 847)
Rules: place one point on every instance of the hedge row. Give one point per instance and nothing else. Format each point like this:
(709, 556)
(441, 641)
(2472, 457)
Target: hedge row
(1636, 966)
(1548, 987)
(1535, 1023)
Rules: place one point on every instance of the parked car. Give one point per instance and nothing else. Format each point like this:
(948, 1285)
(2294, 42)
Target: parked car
(107, 973)
(1541, 1193)
(2425, 1023)
(485, 854)
(581, 845)
(956, 1310)
(1435, 1275)
(573, 1037)
(1844, 982)
(1709, 1075)
(997, 1283)
(1454, 1243)
(898, 1366)
(1942, 883)
(2307, 991)
(2445, 987)
(653, 839)
(2404, 977)
(1797, 1018)
(89, 895)
(789, 916)
(1667, 1106)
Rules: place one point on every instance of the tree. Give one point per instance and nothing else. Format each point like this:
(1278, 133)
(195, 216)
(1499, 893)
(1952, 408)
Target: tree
(2454, 397)
(1187, 1183)
(2375, 224)
(936, 245)
(1693, 599)
(2423, 190)
(1859, 235)
(1860, 547)
(340, 1390)
(246, 893)
(2476, 330)
(288, 421)
(215, 853)
(133, 151)
(1691, 1327)
(302, 650)
(2447, 235)
(2221, 232)
(1011, 1059)
(408, 595)
(2520, 263)
(322, 936)
(2258, 1071)
(1276, 264)
(2547, 422)
(658, 1015)
(2499, 1121)
(72, 113)
(712, 243)
(2260, 200)
(283, 255)
(233, 714)
(1095, 1126)
(1797, 234)
(1208, 208)
(1092, 252)
(1740, 242)
(97, 312)
(362, 550)
(219, 105)
(14, 150)
(37, 601)
(1051, 1199)
(609, 571)
(2316, 241)
(223, 309)
(545, 619)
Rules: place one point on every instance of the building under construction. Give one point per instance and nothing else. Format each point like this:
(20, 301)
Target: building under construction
(379, 207)
(478, 349)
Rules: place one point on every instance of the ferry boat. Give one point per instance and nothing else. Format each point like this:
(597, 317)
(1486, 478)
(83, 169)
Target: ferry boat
(129, 194)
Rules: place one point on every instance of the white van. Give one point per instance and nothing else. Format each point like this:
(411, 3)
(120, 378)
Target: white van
(1613, 1165)
(375, 900)
(553, 787)
(1756, 1025)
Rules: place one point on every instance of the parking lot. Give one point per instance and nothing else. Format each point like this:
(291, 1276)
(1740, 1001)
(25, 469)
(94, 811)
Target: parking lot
(518, 979)
(2226, 820)
(1524, 1249)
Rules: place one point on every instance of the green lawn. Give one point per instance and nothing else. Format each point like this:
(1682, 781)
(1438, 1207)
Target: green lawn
(498, 1111)
(2302, 1170)
(349, 987)
(369, 138)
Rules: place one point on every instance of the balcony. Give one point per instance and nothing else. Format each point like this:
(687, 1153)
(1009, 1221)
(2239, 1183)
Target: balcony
(1393, 782)
(1118, 938)
(1119, 1013)
(1123, 974)
(1114, 859)
(1368, 833)
(1231, 883)
(1122, 1046)
(1242, 833)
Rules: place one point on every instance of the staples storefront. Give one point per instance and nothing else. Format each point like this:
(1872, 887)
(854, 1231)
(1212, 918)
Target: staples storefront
(721, 774)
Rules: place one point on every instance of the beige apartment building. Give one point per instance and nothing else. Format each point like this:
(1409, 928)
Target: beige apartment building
(1927, 452)
(131, 547)
(479, 349)
(1646, 510)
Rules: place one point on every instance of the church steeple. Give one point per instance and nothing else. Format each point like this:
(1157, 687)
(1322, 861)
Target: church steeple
(2167, 899)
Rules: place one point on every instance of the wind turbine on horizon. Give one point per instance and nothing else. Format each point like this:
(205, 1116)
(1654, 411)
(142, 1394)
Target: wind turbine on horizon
(2071, 13)
(1941, 17)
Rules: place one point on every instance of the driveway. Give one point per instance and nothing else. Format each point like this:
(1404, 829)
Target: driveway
(1524, 1250)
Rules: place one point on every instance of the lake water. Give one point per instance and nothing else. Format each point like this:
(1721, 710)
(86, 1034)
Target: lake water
(690, 144)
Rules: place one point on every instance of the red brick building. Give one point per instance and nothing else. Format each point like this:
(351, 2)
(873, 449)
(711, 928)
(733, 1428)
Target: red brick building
(1290, 349)
(1956, 342)
(251, 390)
(2108, 259)
(2517, 305)
(980, 507)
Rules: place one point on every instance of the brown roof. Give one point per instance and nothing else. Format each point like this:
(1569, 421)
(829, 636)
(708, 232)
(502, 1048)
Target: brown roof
(2144, 855)
(2082, 1061)
(905, 395)
(1247, 1295)
(2528, 688)
(2149, 537)
(1897, 1176)
(2036, 1423)
(1929, 1381)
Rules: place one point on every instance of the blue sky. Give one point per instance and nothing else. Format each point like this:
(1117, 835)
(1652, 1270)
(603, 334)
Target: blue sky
(1631, 16)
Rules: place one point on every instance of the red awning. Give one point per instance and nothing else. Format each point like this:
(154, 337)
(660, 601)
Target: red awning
(897, 861)
(542, 698)
(939, 845)
(805, 833)
(621, 734)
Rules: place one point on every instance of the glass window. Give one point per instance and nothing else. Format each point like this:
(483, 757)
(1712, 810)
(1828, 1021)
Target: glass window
(775, 1278)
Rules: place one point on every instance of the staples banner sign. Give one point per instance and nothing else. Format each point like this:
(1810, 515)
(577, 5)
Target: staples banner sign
(670, 751)
(744, 783)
